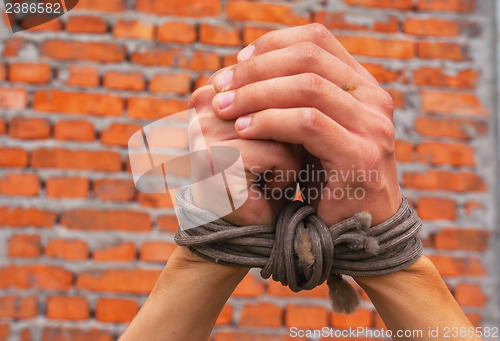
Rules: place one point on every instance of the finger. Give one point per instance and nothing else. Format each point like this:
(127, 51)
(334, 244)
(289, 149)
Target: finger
(201, 99)
(315, 33)
(296, 59)
(320, 135)
(305, 90)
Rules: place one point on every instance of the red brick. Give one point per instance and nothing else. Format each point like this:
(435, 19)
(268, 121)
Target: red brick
(24, 246)
(226, 316)
(3, 127)
(162, 200)
(74, 130)
(78, 103)
(444, 180)
(251, 34)
(12, 47)
(167, 223)
(4, 331)
(450, 127)
(124, 81)
(150, 108)
(71, 250)
(395, 4)
(463, 6)
(230, 59)
(360, 318)
(475, 319)
(171, 83)
(470, 295)
(176, 32)
(440, 153)
(93, 220)
(116, 310)
(273, 13)
(13, 98)
(156, 57)
(201, 61)
(398, 97)
(13, 157)
(105, 161)
(67, 308)
(382, 74)
(431, 27)
(156, 251)
(118, 134)
(219, 35)
(44, 277)
(25, 335)
(33, 73)
(380, 48)
(7, 277)
(235, 335)
(27, 185)
(83, 76)
(461, 239)
(53, 25)
(306, 317)
(452, 103)
(201, 81)
(436, 209)
(182, 8)
(3, 72)
(404, 151)
(261, 315)
(72, 334)
(114, 190)
(133, 29)
(86, 24)
(124, 252)
(91, 51)
(338, 21)
(113, 6)
(26, 217)
(455, 266)
(17, 307)
(472, 206)
(427, 76)
(29, 128)
(67, 187)
(249, 287)
(277, 289)
(121, 281)
(441, 50)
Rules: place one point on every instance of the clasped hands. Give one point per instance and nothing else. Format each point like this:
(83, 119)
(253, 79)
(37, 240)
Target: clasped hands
(296, 100)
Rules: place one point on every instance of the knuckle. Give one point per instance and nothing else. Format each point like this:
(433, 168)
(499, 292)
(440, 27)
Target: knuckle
(312, 119)
(309, 52)
(311, 83)
(197, 98)
(319, 31)
(251, 67)
(386, 102)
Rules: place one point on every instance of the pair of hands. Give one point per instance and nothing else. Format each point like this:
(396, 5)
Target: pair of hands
(285, 107)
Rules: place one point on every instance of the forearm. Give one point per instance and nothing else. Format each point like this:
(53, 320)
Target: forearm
(415, 298)
(186, 300)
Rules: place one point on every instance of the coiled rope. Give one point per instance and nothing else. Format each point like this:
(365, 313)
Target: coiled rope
(301, 251)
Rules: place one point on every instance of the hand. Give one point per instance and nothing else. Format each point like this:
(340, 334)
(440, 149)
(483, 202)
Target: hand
(289, 86)
(258, 157)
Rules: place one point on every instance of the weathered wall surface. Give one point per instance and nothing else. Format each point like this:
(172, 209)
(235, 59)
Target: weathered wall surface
(80, 248)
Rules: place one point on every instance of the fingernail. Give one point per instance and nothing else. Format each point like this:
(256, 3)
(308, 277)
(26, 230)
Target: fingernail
(246, 53)
(226, 99)
(223, 80)
(243, 122)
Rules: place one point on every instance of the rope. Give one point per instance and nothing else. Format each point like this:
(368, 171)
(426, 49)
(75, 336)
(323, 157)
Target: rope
(301, 251)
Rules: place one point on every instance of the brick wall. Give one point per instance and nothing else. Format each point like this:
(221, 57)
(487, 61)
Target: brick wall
(80, 248)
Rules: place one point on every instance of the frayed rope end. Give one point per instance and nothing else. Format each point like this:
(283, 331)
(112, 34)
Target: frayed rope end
(364, 219)
(343, 296)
